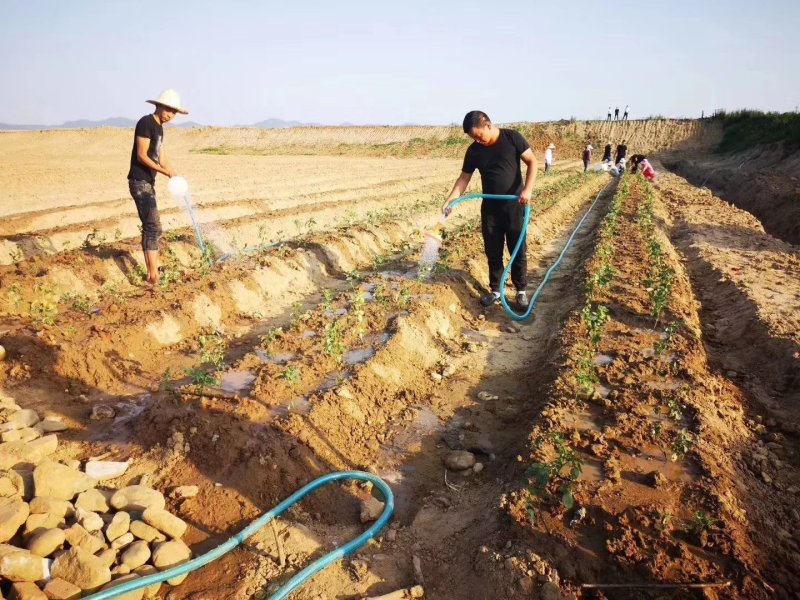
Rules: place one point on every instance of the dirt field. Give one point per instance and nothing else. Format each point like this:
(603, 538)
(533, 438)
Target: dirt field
(642, 428)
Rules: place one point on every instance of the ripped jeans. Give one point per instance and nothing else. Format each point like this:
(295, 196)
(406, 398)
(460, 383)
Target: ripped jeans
(144, 195)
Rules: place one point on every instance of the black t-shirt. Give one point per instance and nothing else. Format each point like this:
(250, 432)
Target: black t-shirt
(607, 152)
(147, 127)
(622, 152)
(499, 163)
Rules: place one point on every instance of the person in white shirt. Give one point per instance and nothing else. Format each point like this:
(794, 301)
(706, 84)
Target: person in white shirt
(625, 114)
(548, 158)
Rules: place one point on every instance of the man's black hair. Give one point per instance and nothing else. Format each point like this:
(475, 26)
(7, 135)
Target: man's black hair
(475, 119)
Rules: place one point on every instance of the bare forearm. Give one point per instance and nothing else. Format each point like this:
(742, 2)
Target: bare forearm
(530, 176)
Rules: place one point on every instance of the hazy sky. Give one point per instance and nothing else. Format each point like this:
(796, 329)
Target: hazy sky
(237, 62)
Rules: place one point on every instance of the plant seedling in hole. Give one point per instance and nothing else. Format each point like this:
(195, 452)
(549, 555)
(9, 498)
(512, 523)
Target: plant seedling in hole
(212, 349)
(292, 375)
(334, 344)
(681, 445)
(201, 377)
(595, 319)
(702, 522)
(559, 475)
(272, 334)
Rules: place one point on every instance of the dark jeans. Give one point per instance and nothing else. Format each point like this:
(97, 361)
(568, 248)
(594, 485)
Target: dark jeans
(501, 225)
(145, 197)
(585, 165)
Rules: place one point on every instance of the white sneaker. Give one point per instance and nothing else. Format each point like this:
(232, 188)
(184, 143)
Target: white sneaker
(522, 299)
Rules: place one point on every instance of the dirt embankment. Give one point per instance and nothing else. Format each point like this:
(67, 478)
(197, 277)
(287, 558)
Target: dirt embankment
(764, 181)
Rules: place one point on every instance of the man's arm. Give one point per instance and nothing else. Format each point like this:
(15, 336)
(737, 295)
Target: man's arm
(458, 189)
(166, 163)
(530, 177)
(142, 146)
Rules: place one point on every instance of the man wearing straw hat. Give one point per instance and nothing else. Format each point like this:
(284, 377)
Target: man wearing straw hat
(548, 158)
(147, 159)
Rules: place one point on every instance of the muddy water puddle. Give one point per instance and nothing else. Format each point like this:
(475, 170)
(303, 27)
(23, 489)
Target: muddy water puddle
(237, 381)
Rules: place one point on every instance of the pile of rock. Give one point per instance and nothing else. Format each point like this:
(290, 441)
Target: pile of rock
(61, 536)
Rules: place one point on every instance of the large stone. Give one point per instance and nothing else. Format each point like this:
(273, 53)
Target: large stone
(118, 526)
(151, 591)
(59, 589)
(109, 557)
(13, 513)
(132, 595)
(26, 591)
(80, 568)
(17, 564)
(91, 521)
(165, 522)
(145, 532)
(7, 487)
(13, 453)
(51, 425)
(24, 434)
(41, 522)
(45, 542)
(371, 509)
(105, 469)
(22, 476)
(135, 555)
(78, 537)
(41, 505)
(122, 541)
(94, 500)
(137, 498)
(171, 554)
(59, 481)
(459, 460)
(25, 417)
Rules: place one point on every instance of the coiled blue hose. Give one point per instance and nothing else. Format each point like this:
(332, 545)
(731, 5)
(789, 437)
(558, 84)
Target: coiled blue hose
(535, 297)
(240, 537)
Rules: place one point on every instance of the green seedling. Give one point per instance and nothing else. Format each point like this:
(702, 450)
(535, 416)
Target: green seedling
(557, 477)
(665, 343)
(292, 375)
(269, 338)
(334, 342)
(201, 378)
(682, 445)
(595, 319)
(212, 349)
(702, 522)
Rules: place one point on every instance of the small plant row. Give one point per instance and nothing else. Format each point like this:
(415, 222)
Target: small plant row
(553, 478)
(660, 280)
(594, 314)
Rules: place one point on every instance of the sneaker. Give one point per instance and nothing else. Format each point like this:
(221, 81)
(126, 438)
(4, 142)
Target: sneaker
(490, 299)
(522, 299)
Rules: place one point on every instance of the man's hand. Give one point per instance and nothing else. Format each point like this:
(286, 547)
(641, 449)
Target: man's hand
(525, 197)
(169, 172)
(446, 207)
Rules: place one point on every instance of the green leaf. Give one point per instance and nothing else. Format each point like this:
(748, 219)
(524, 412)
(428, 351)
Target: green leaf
(567, 499)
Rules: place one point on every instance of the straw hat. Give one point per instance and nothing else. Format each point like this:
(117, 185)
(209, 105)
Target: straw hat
(551, 147)
(170, 99)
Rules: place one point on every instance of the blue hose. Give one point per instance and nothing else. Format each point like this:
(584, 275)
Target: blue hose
(535, 298)
(308, 572)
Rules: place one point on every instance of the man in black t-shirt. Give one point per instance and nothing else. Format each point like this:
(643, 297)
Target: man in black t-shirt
(496, 154)
(147, 159)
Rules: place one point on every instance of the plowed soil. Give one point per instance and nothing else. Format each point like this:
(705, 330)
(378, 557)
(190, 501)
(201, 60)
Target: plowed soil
(321, 350)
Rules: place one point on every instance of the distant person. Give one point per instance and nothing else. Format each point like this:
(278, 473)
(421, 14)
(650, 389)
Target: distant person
(587, 157)
(607, 153)
(625, 114)
(647, 170)
(616, 113)
(622, 151)
(496, 154)
(621, 165)
(147, 159)
(702, 114)
(636, 159)
(548, 158)
(609, 114)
